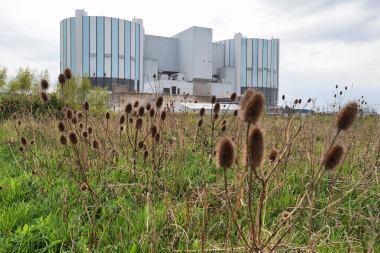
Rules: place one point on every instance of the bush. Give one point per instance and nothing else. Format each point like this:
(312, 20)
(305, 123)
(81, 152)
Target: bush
(29, 104)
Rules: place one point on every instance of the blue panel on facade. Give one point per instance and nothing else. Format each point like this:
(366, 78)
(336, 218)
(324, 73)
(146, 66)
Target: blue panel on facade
(100, 46)
(232, 53)
(255, 48)
(265, 62)
(64, 66)
(73, 46)
(86, 46)
(115, 48)
(137, 44)
(127, 49)
(243, 66)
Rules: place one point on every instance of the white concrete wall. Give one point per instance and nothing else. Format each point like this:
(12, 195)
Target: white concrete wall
(164, 50)
(159, 85)
(217, 57)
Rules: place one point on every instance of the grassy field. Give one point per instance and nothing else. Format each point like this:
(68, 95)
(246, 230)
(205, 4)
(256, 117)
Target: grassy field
(121, 187)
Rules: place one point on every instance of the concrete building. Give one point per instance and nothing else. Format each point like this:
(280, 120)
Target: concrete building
(118, 52)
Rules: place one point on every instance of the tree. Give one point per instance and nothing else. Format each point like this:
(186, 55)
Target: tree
(84, 88)
(23, 81)
(98, 98)
(3, 77)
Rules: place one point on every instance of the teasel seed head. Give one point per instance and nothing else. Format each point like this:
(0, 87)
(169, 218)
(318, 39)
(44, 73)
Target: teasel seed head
(67, 73)
(136, 104)
(31, 142)
(122, 120)
(216, 116)
(141, 145)
(74, 120)
(333, 157)
(253, 108)
(121, 128)
(200, 123)
(85, 134)
(224, 128)
(346, 116)
(44, 84)
(80, 125)
(69, 114)
(61, 78)
(163, 115)
(128, 108)
(235, 113)
(141, 111)
(146, 153)
(247, 96)
(225, 153)
(44, 96)
(86, 106)
(283, 97)
(89, 130)
(213, 100)
(24, 141)
(224, 122)
(19, 122)
(159, 102)
(80, 115)
(309, 100)
(130, 120)
(73, 138)
(139, 123)
(153, 131)
(148, 106)
(233, 97)
(273, 155)
(216, 108)
(95, 144)
(157, 137)
(21, 149)
(152, 112)
(108, 115)
(202, 112)
(63, 140)
(61, 126)
(255, 148)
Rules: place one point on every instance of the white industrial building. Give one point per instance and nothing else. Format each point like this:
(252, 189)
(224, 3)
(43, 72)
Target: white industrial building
(113, 51)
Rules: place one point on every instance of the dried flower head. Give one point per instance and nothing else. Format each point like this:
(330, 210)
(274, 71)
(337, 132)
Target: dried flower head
(61, 126)
(333, 157)
(200, 123)
(21, 149)
(139, 123)
(74, 120)
(73, 138)
(252, 108)
(163, 115)
(67, 73)
(136, 104)
(24, 141)
(61, 79)
(255, 147)
(153, 131)
(146, 153)
(152, 112)
(216, 116)
(216, 108)
(80, 115)
(236, 113)
(128, 108)
(122, 120)
(89, 130)
(148, 106)
(84, 187)
(273, 155)
(107, 115)
(202, 112)
(141, 145)
(95, 144)
(346, 116)
(213, 100)
(224, 128)
(233, 97)
(63, 140)
(69, 114)
(86, 106)
(157, 138)
(225, 153)
(85, 134)
(44, 84)
(159, 102)
(141, 111)
(44, 96)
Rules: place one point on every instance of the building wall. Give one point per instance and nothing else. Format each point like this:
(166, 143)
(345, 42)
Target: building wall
(98, 46)
(164, 50)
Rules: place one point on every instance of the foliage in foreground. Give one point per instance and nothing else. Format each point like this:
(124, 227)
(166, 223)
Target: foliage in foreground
(145, 180)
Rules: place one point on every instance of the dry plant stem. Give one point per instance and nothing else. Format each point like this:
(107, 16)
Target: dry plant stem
(233, 214)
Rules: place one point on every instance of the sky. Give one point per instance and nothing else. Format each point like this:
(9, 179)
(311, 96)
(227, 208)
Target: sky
(322, 42)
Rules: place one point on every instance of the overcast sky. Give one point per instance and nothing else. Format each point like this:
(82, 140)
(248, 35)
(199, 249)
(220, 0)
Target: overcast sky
(322, 42)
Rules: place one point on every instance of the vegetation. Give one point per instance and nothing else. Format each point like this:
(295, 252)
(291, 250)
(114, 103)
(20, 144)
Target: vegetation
(150, 180)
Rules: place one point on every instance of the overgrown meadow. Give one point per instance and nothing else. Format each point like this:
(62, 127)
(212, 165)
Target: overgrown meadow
(151, 180)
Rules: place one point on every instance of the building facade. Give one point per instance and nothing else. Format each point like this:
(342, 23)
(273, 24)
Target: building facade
(116, 51)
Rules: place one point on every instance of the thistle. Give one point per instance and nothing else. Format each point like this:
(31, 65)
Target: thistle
(333, 157)
(346, 116)
(225, 153)
(255, 147)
